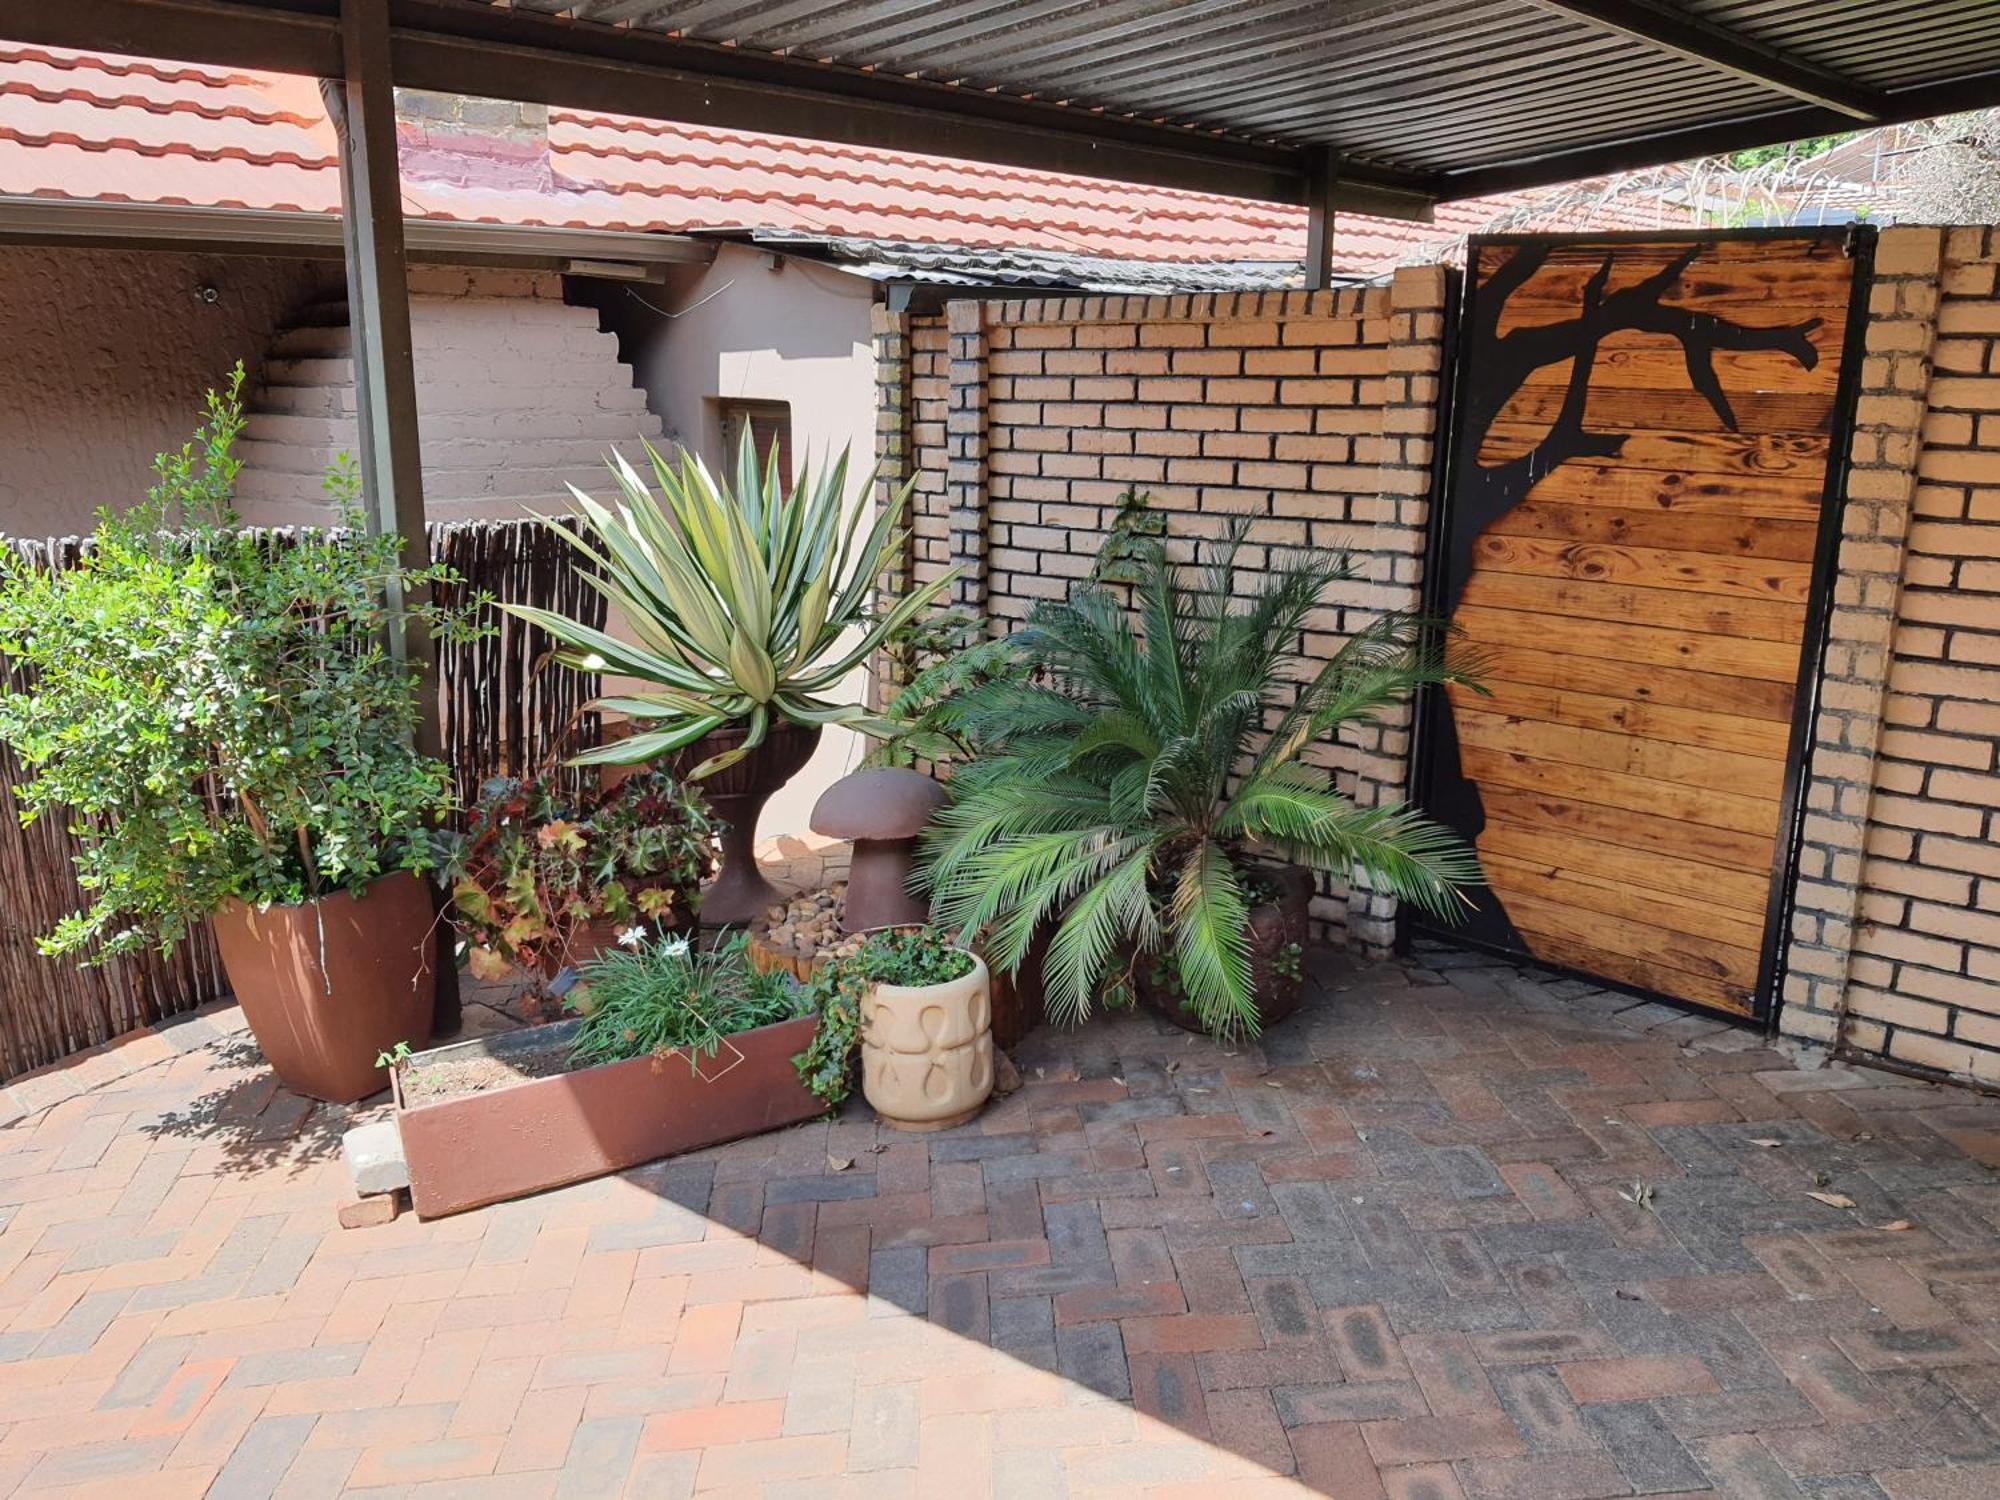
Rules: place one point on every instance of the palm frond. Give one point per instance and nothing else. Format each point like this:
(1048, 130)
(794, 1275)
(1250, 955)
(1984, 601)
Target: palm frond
(1212, 944)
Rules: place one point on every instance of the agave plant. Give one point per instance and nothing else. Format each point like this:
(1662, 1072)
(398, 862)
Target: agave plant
(1124, 775)
(748, 602)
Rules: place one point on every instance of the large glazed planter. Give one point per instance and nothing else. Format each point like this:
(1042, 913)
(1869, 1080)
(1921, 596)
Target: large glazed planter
(927, 1050)
(543, 1131)
(1273, 926)
(330, 984)
(737, 794)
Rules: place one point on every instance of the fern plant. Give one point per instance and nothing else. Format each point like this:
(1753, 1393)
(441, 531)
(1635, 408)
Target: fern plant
(1132, 763)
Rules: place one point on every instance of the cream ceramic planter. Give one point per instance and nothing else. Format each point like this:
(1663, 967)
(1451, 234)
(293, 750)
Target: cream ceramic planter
(927, 1051)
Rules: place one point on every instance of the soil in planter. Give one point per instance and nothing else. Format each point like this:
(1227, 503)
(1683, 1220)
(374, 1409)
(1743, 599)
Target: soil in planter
(540, 1053)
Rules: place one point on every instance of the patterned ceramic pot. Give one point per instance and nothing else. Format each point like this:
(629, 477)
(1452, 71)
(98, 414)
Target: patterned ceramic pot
(927, 1050)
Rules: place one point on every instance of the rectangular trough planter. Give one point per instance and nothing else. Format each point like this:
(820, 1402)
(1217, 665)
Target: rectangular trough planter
(523, 1135)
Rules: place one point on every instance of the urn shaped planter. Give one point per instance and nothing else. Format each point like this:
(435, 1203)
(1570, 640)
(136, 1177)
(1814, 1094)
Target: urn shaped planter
(737, 794)
(927, 1050)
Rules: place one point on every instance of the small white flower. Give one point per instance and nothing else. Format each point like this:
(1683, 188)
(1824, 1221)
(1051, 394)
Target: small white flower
(632, 937)
(675, 947)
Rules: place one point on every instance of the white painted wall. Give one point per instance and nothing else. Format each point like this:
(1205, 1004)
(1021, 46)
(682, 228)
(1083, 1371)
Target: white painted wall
(755, 327)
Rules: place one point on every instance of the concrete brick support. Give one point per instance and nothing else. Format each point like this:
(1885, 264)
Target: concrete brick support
(965, 440)
(893, 455)
(1895, 946)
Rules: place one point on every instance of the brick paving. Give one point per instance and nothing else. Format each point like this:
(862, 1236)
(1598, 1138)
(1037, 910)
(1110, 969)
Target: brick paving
(1454, 1231)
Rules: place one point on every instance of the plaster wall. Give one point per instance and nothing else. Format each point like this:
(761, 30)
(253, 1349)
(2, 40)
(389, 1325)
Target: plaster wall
(751, 326)
(108, 354)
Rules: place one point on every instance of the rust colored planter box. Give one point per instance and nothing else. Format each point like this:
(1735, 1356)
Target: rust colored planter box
(539, 1132)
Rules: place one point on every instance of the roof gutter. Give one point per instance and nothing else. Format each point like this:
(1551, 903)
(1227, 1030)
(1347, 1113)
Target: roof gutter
(91, 224)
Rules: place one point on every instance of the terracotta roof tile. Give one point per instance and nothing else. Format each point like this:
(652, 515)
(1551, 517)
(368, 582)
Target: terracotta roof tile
(100, 126)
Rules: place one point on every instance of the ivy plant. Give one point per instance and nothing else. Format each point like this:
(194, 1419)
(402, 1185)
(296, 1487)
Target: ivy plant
(907, 956)
(215, 709)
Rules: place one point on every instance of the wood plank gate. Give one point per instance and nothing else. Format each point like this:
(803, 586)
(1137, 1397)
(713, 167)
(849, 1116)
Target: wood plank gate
(1636, 535)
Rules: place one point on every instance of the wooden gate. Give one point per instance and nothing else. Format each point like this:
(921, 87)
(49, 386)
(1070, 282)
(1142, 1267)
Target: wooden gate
(1635, 536)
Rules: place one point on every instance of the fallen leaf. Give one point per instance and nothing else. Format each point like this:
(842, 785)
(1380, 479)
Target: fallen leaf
(1833, 1200)
(1894, 1226)
(1765, 1141)
(1117, 1080)
(839, 1163)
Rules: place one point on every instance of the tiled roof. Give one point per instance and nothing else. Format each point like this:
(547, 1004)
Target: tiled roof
(110, 128)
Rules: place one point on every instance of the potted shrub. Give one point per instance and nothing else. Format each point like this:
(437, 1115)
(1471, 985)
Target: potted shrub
(670, 1050)
(748, 603)
(1135, 774)
(540, 880)
(219, 712)
(917, 1010)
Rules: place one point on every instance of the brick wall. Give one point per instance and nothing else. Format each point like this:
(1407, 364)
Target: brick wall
(1896, 940)
(518, 396)
(1313, 415)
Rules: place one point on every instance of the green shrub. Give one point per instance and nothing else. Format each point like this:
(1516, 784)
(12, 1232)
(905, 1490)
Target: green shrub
(215, 709)
(1130, 766)
(648, 1000)
(534, 867)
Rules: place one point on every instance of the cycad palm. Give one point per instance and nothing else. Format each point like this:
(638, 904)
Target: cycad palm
(1124, 774)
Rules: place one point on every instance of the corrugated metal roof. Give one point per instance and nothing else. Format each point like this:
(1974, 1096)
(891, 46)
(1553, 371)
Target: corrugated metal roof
(1400, 101)
(111, 129)
(1432, 87)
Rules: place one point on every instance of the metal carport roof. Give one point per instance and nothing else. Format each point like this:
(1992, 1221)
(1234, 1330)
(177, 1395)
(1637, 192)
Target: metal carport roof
(1385, 105)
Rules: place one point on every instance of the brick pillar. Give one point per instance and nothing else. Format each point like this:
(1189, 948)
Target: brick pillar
(1875, 519)
(894, 460)
(1392, 549)
(965, 435)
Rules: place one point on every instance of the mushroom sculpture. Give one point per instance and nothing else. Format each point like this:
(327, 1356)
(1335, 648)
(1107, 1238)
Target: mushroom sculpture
(881, 812)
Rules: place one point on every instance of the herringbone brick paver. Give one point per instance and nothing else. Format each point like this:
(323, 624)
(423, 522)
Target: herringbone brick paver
(1456, 1231)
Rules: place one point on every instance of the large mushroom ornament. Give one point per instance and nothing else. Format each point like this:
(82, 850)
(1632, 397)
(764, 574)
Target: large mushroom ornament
(881, 812)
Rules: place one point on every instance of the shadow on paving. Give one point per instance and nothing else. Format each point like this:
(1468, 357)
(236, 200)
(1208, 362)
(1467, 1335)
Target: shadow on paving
(1473, 1230)
(1453, 1230)
(256, 1124)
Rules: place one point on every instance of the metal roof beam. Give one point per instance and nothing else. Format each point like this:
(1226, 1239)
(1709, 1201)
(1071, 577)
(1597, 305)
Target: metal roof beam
(1960, 95)
(1703, 41)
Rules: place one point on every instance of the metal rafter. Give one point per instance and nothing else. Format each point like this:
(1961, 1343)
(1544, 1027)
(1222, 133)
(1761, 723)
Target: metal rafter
(1703, 41)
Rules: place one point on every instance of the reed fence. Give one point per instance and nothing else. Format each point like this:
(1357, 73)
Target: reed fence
(506, 710)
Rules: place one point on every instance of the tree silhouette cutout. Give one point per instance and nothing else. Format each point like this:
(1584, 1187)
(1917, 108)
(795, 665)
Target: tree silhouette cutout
(1499, 366)
(1504, 362)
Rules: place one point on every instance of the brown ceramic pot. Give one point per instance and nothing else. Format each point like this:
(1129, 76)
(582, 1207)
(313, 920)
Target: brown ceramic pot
(328, 985)
(1273, 926)
(737, 794)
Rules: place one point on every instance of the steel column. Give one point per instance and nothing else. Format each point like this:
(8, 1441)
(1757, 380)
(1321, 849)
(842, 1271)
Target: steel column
(363, 108)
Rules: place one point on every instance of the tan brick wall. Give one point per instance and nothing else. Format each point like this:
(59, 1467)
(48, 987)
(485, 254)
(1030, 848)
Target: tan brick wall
(1896, 939)
(1311, 414)
(519, 395)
